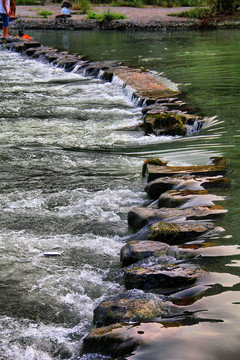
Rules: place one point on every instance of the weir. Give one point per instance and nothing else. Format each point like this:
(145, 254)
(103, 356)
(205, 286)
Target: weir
(161, 108)
(127, 321)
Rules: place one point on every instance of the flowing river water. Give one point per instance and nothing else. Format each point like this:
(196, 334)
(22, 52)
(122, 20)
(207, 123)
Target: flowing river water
(70, 172)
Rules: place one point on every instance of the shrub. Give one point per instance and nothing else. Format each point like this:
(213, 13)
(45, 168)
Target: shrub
(105, 16)
(83, 5)
(195, 13)
(44, 13)
(26, 2)
(132, 3)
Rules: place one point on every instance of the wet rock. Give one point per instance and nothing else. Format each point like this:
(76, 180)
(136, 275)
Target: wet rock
(143, 83)
(31, 44)
(163, 277)
(39, 53)
(154, 109)
(137, 250)
(215, 166)
(187, 198)
(158, 186)
(51, 56)
(167, 123)
(66, 63)
(138, 217)
(132, 306)
(30, 51)
(176, 233)
(120, 340)
(157, 162)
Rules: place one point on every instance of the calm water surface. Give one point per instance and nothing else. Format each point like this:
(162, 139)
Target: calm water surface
(70, 172)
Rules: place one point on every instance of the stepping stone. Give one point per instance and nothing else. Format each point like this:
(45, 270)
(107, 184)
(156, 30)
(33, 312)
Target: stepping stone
(167, 123)
(176, 233)
(132, 306)
(187, 198)
(119, 340)
(138, 217)
(215, 166)
(137, 250)
(166, 278)
(144, 84)
(31, 44)
(158, 186)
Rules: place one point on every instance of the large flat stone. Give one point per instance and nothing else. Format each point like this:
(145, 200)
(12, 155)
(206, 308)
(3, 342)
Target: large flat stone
(187, 198)
(215, 166)
(144, 84)
(138, 217)
(176, 233)
(137, 250)
(164, 278)
(160, 185)
(132, 306)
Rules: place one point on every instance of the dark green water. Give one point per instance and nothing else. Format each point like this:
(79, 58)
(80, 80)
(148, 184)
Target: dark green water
(75, 202)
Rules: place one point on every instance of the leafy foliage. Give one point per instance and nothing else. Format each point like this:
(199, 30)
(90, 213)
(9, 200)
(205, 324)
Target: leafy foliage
(105, 16)
(44, 13)
(83, 5)
(26, 2)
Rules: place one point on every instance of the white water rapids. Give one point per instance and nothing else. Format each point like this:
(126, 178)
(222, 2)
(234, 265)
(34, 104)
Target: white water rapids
(67, 183)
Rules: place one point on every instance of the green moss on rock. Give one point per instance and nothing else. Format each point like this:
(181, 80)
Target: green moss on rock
(165, 123)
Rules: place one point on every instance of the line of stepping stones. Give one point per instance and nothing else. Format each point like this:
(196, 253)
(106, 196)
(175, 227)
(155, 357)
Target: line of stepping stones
(163, 113)
(158, 273)
(157, 266)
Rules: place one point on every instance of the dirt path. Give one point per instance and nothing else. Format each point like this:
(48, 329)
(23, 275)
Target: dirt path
(144, 15)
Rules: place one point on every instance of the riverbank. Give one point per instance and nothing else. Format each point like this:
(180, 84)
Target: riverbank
(147, 18)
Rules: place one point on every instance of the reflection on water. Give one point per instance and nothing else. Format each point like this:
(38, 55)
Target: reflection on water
(70, 172)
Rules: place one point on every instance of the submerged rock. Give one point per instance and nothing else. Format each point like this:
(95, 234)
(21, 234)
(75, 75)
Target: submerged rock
(163, 277)
(175, 233)
(132, 306)
(215, 166)
(121, 340)
(138, 217)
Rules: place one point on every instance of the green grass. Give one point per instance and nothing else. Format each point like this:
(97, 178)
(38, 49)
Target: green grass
(26, 2)
(44, 13)
(196, 13)
(105, 16)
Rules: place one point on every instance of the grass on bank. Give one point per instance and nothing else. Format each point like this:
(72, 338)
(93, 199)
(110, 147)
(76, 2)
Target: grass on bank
(132, 3)
(44, 13)
(105, 16)
(195, 13)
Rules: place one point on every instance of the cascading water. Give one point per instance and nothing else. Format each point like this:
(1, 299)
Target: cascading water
(70, 172)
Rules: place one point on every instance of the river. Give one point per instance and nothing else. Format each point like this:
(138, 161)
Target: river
(70, 172)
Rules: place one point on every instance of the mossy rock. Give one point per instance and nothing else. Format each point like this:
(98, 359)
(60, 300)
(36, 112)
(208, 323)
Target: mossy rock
(133, 305)
(175, 233)
(165, 124)
(158, 162)
(164, 278)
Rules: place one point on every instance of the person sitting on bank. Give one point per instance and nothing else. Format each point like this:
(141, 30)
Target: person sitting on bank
(23, 36)
(65, 6)
(5, 14)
